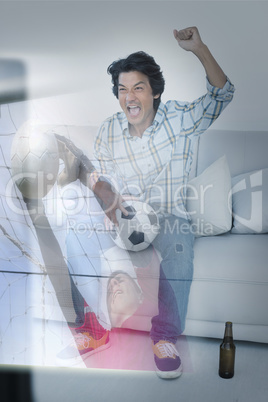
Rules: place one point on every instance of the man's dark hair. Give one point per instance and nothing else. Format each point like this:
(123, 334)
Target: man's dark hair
(144, 63)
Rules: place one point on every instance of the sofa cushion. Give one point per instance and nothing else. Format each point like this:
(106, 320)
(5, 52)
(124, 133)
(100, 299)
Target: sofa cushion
(250, 200)
(208, 200)
(230, 280)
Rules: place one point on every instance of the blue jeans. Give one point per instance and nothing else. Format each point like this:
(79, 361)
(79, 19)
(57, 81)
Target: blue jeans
(175, 244)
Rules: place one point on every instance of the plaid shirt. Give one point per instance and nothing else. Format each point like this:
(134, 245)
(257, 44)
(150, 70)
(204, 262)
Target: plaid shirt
(155, 168)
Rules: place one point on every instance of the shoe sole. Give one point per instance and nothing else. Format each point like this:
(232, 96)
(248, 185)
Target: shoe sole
(169, 375)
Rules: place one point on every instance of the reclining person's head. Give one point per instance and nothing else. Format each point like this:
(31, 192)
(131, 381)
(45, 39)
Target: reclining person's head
(123, 297)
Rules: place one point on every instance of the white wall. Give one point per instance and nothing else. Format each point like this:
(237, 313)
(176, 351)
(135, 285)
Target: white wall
(67, 46)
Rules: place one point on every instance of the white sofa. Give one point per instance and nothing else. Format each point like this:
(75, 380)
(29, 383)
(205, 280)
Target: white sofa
(230, 264)
(231, 269)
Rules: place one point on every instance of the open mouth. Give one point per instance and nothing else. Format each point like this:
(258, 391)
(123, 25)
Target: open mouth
(133, 110)
(118, 292)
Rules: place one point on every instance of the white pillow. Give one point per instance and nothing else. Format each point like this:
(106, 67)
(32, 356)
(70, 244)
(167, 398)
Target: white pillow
(250, 202)
(209, 200)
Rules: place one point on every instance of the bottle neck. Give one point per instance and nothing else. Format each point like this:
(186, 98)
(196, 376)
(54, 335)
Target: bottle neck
(228, 334)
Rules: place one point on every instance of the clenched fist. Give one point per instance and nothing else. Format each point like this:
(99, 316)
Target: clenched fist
(188, 39)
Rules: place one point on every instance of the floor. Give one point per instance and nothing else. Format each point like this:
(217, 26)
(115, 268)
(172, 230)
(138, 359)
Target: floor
(125, 371)
(199, 382)
(31, 338)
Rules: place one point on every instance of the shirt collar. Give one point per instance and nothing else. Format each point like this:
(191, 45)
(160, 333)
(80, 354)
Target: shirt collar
(159, 114)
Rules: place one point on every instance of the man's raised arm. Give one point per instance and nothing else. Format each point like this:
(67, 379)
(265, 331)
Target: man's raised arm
(189, 39)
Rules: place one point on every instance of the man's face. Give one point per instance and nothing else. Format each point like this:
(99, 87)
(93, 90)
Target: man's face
(136, 99)
(123, 298)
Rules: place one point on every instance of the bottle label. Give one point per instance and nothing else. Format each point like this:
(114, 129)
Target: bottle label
(227, 359)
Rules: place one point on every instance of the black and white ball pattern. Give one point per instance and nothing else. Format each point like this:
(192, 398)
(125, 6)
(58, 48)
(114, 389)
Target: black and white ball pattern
(138, 229)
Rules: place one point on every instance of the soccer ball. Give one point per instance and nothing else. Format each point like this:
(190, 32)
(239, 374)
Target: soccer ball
(34, 160)
(137, 230)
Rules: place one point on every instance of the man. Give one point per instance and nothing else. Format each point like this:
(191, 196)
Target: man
(146, 151)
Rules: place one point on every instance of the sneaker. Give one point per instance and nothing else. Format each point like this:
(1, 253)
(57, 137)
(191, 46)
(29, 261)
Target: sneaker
(85, 342)
(167, 360)
(83, 345)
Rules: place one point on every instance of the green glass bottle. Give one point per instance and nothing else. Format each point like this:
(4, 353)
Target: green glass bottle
(227, 353)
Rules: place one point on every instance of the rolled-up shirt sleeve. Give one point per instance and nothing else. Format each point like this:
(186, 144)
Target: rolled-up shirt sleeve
(199, 115)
